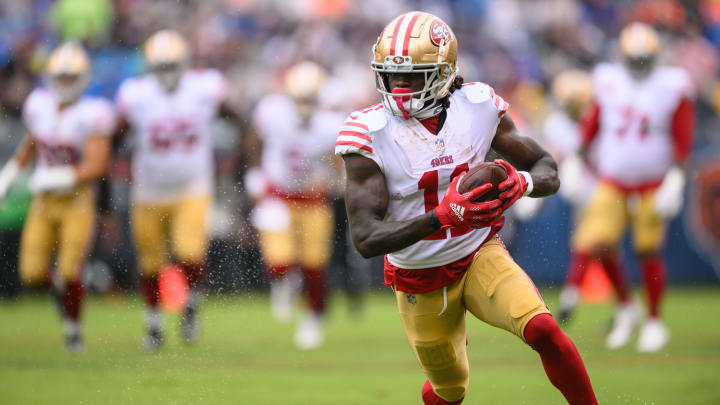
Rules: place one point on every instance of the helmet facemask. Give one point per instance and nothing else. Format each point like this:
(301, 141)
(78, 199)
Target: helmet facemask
(640, 67)
(68, 87)
(404, 103)
(169, 74)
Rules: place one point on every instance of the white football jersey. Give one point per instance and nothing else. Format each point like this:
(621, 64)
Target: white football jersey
(60, 135)
(295, 157)
(634, 141)
(418, 165)
(173, 154)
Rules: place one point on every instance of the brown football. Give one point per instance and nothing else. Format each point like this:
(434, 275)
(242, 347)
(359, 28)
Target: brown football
(483, 173)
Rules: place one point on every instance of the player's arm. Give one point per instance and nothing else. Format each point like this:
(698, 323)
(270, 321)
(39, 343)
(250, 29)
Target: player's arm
(366, 200)
(24, 154)
(96, 158)
(538, 176)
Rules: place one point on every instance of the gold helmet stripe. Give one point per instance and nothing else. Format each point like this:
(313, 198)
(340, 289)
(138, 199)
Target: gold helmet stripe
(403, 31)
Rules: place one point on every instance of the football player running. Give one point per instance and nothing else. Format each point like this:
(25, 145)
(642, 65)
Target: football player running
(404, 159)
(69, 142)
(291, 187)
(641, 122)
(169, 112)
(572, 90)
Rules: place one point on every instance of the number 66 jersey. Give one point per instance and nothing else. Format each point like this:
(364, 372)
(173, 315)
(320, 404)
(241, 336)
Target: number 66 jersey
(419, 165)
(172, 155)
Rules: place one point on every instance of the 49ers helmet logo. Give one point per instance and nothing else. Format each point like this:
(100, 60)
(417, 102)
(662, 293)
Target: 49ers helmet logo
(439, 32)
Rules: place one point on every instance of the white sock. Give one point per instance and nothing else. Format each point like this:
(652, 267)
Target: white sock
(71, 327)
(195, 298)
(153, 318)
(569, 297)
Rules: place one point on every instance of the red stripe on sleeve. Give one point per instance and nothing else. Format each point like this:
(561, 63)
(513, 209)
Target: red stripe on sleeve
(356, 135)
(395, 33)
(683, 125)
(590, 124)
(406, 42)
(356, 124)
(355, 144)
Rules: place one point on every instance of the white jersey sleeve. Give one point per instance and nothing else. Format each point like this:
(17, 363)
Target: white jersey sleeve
(488, 103)
(213, 83)
(103, 117)
(357, 132)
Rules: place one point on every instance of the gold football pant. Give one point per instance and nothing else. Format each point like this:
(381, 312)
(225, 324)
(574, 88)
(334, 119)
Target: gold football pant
(494, 289)
(307, 241)
(183, 224)
(603, 222)
(62, 222)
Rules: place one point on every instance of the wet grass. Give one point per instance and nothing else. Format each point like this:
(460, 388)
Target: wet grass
(245, 357)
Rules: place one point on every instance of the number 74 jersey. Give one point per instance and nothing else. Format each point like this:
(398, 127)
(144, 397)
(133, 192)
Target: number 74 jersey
(418, 165)
(634, 121)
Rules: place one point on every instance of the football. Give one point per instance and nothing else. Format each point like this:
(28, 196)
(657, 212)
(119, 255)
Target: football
(484, 173)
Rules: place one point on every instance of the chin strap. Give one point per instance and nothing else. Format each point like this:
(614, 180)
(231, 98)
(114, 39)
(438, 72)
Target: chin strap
(400, 100)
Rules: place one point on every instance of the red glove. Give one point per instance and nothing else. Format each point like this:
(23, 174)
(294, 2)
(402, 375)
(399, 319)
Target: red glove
(512, 188)
(457, 209)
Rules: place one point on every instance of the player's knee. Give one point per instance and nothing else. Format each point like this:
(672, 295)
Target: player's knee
(32, 275)
(543, 334)
(451, 394)
(603, 252)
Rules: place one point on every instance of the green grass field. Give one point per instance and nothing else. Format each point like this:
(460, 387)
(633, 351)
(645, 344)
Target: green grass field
(246, 358)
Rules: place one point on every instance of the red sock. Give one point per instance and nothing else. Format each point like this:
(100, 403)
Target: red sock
(579, 264)
(195, 274)
(561, 360)
(315, 288)
(72, 298)
(150, 290)
(276, 272)
(616, 274)
(654, 277)
(431, 398)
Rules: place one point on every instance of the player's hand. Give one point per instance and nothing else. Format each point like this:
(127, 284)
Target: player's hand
(669, 196)
(457, 209)
(255, 184)
(571, 179)
(53, 179)
(7, 176)
(512, 188)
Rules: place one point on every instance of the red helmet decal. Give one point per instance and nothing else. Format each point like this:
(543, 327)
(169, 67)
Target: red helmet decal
(439, 32)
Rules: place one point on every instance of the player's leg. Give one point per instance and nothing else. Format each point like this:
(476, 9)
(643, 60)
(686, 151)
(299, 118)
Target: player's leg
(77, 229)
(150, 233)
(648, 235)
(38, 240)
(434, 323)
(190, 241)
(278, 250)
(570, 293)
(598, 235)
(498, 291)
(315, 234)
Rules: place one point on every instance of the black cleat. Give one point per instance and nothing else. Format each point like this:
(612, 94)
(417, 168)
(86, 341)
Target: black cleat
(153, 340)
(189, 325)
(564, 317)
(74, 343)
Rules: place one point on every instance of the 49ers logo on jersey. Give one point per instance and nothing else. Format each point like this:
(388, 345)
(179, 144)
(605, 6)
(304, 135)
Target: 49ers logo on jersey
(439, 32)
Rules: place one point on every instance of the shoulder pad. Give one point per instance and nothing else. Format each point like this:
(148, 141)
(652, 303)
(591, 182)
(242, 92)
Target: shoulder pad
(373, 118)
(477, 92)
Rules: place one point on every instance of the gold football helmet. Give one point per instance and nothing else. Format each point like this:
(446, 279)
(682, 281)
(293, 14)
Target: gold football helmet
(167, 55)
(421, 43)
(639, 46)
(304, 80)
(68, 71)
(572, 89)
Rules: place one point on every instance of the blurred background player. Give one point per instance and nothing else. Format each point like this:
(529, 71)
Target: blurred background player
(169, 111)
(69, 142)
(572, 93)
(641, 122)
(292, 187)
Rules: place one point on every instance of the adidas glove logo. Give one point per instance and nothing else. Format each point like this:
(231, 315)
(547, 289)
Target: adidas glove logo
(458, 210)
